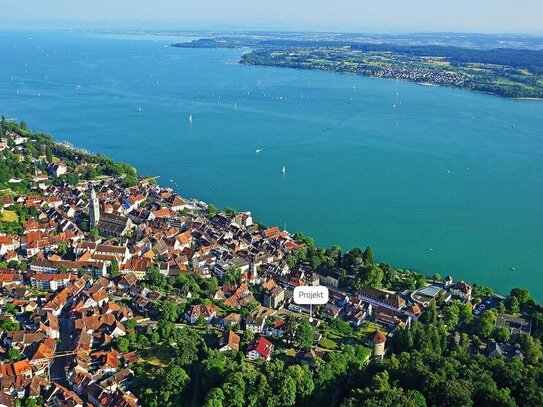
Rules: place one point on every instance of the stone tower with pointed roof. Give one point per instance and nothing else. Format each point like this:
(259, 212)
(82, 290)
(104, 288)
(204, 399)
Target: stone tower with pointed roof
(379, 340)
(94, 209)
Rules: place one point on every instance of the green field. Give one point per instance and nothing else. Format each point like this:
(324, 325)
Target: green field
(9, 216)
(498, 79)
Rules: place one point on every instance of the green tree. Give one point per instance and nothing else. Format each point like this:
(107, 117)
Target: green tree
(373, 276)
(214, 398)
(8, 324)
(62, 248)
(430, 315)
(232, 276)
(537, 323)
(212, 210)
(367, 256)
(411, 282)
(290, 328)
(234, 390)
(248, 336)
(501, 308)
(304, 336)
(169, 311)
(114, 267)
(451, 315)
(333, 256)
(486, 324)
(13, 354)
(286, 393)
(521, 294)
(343, 328)
(512, 304)
(229, 211)
(174, 383)
(10, 308)
(390, 276)
(481, 291)
(123, 344)
(130, 324)
(420, 280)
(72, 178)
(213, 368)
(129, 181)
(303, 379)
(502, 334)
(155, 278)
(349, 259)
(187, 342)
(466, 314)
(456, 393)
(210, 285)
(48, 154)
(531, 348)
(30, 402)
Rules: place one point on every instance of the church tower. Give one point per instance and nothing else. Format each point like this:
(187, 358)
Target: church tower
(94, 209)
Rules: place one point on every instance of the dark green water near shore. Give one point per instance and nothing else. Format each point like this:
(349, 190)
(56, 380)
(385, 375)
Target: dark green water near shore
(434, 179)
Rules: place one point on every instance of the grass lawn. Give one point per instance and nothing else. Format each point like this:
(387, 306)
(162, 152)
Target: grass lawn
(366, 353)
(327, 343)
(157, 356)
(367, 329)
(347, 340)
(10, 216)
(291, 352)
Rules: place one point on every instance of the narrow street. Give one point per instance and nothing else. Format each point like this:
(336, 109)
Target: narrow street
(67, 337)
(197, 376)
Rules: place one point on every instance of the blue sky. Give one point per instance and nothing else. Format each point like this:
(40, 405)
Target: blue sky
(494, 16)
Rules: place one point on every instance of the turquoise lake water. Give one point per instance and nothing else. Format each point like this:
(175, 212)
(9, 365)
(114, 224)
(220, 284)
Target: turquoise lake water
(446, 181)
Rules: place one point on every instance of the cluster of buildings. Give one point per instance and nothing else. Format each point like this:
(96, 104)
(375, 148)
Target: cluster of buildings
(414, 74)
(391, 66)
(82, 258)
(61, 309)
(56, 340)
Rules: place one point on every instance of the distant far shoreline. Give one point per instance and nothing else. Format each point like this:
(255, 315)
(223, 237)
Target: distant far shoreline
(507, 72)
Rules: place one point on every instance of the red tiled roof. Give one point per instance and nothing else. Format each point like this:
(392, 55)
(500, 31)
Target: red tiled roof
(21, 367)
(233, 340)
(52, 277)
(264, 347)
(379, 337)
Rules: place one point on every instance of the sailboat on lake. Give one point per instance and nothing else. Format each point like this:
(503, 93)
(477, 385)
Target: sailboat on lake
(284, 170)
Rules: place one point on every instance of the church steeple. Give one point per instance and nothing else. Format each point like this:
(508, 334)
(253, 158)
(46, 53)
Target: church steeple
(94, 209)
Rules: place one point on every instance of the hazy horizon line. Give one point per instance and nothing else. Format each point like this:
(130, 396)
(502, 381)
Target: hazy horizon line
(209, 25)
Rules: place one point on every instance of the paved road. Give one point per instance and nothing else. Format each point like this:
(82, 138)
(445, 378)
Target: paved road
(67, 337)
(197, 377)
